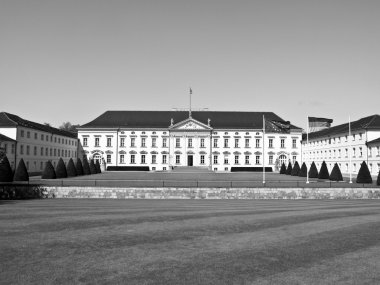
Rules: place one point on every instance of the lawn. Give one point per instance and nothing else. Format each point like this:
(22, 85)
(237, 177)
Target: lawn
(63, 241)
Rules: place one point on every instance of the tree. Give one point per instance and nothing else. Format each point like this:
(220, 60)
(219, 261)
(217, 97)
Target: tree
(71, 170)
(92, 167)
(47, 124)
(6, 173)
(60, 170)
(289, 169)
(49, 172)
(378, 179)
(21, 173)
(97, 166)
(303, 170)
(79, 167)
(313, 172)
(67, 126)
(283, 169)
(86, 166)
(296, 169)
(336, 174)
(364, 176)
(324, 172)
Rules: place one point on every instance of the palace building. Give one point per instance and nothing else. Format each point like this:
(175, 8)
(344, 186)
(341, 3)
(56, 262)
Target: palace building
(337, 145)
(162, 140)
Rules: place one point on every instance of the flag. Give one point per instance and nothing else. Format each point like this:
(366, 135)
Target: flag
(316, 124)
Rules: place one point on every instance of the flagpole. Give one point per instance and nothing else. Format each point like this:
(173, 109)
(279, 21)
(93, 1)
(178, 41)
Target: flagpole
(263, 149)
(350, 146)
(191, 92)
(307, 151)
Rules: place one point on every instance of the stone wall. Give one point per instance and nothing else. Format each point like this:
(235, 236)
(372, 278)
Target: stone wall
(213, 193)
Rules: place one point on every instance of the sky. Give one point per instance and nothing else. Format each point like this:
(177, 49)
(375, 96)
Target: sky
(72, 60)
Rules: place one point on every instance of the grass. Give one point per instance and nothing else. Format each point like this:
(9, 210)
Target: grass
(189, 242)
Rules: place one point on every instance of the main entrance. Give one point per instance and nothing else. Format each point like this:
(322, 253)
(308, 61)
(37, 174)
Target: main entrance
(189, 160)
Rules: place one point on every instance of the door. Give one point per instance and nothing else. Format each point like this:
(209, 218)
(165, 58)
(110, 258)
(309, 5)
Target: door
(189, 160)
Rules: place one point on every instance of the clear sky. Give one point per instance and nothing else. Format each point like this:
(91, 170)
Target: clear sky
(71, 60)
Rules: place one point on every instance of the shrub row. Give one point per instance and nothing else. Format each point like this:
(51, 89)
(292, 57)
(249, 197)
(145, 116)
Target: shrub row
(71, 170)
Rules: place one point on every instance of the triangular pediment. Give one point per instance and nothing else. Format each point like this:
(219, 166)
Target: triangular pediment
(190, 124)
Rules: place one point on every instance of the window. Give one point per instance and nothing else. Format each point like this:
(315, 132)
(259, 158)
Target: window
(215, 142)
(164, 142)
(270, 143)
(294, 159)
(346, 152)
(257, 142)
(257, 159)
(96, 141)
(108, 142)
(51, 152)
(21, 149)
(353, 152)
(369, 151)
(154, 159)
(27, 165)
(354, 167)
(164, 159)
(133, 142)
(22, 133)
(282, 143)
(133, 159)
(236, 142)
(360, 136)
(271, 159)
(202, 159)
(55, 152)
(353, 137)
(143, 159)
(177, 159)
(35, 136)
(28, 135)
(378, 151)
(41, 165)
(215, 159)
(27, 150)
(294, 143)
(42, 137)
(59, 152)
(202, 142)
(370, 168)
(190, 143)
(55, 139)
(246, 142)
(108, 158)
(247, 159)
(236, 159)
(154, 142)
(177, 142)
(143, 142)
(360, 151)
(84, 141)
(225, 142)
(226, 160)
(121, 158)
(122, 142)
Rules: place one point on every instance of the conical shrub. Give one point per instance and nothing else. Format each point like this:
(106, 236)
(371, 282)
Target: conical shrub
(289, 169)
(97, 166)
(303, 170)
(313, 172)
(378, 179)
(49, 172)
(336, 174)
(86, 166)
(79, 167)
(364, 176)
(296, 169)
(21, 173)
(60, 170)
(71, 170)
(283, 169)
(92, 167)
(323, 172)
(6, 173)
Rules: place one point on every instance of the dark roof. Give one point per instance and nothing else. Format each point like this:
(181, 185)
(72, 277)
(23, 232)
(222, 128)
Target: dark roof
(371, 122)
(162, 119)
(5, 138)
(375, 141)
(10, 120)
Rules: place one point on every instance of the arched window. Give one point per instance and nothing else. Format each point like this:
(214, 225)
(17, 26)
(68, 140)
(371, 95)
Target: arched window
(283, 160)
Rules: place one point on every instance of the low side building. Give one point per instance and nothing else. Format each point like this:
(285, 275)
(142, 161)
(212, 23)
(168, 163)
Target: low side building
(8, 146)
(36, 143)
(161, 140)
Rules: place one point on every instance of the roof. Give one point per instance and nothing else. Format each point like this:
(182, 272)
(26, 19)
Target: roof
(5, 138)
(366, 123)
(162, 119)
(10, 120)
(375, 141)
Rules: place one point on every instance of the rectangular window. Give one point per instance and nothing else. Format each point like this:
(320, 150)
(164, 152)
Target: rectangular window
(177, 142)
(369, 151)
(35, 136)
(164, 159)
(41, 165)
(51, 152)
(108, 142)
(22, 133)
(177, 159)
(294, 159)
(257, 159)
(282, 143)
(215, 142)
(143, 159)
(236, 159)
(143, 141)
(84, 141)
(247, 159)
(96, 141)
(202, 142)
(42, 137)
(42, 151)
(5, 147)
(202, 159)
(154, 159)
(133, 142)
(28, 135)
(226, 160)
(121, 158)
(59, 152)
(360, 151)
(122, 142)
(236, 142)
(215, 159)
(353, 152)
(133, 159)
(294, 143)
(108, 158)
(257, 143)
(21, 149)
(353, 137)
(27, 150)
(225, 142)
(360, 136)
(154, 142)
(270, 143)
(190, 143)
(246, 142)
(164, 142)
(271, 159)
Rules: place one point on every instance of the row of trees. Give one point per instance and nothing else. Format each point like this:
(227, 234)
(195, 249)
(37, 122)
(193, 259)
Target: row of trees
(364, 176)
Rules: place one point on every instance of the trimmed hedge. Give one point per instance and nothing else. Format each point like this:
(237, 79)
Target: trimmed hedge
(60, 170)
(313, 172)
(21, 173)
(336, 174)
(16, 191)
(324, 172)
(303, 170)
(71, 170)
(283, 169)
(92, 167)
(289, 169)
(49, 172)
(6, 173)
(364, 176)
(378, 179)
(86, 166)
(97, 166)
(79, 167)
(296, 169)
(248, 169)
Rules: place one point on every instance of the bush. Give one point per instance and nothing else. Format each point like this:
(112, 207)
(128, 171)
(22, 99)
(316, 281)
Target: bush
(79, 167)
(324, 172)
(296, 169)
(6, 173)
(21, 173)
(86, 166)
(92, 167)
(313, 172)
(303, 170)
(13, 192)
(71, 170)
(49, 172)
(335, 174)
(60, 170)
(289, 169)
(378, 179)
(364, 176)
(97, 166)
(283, 169)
